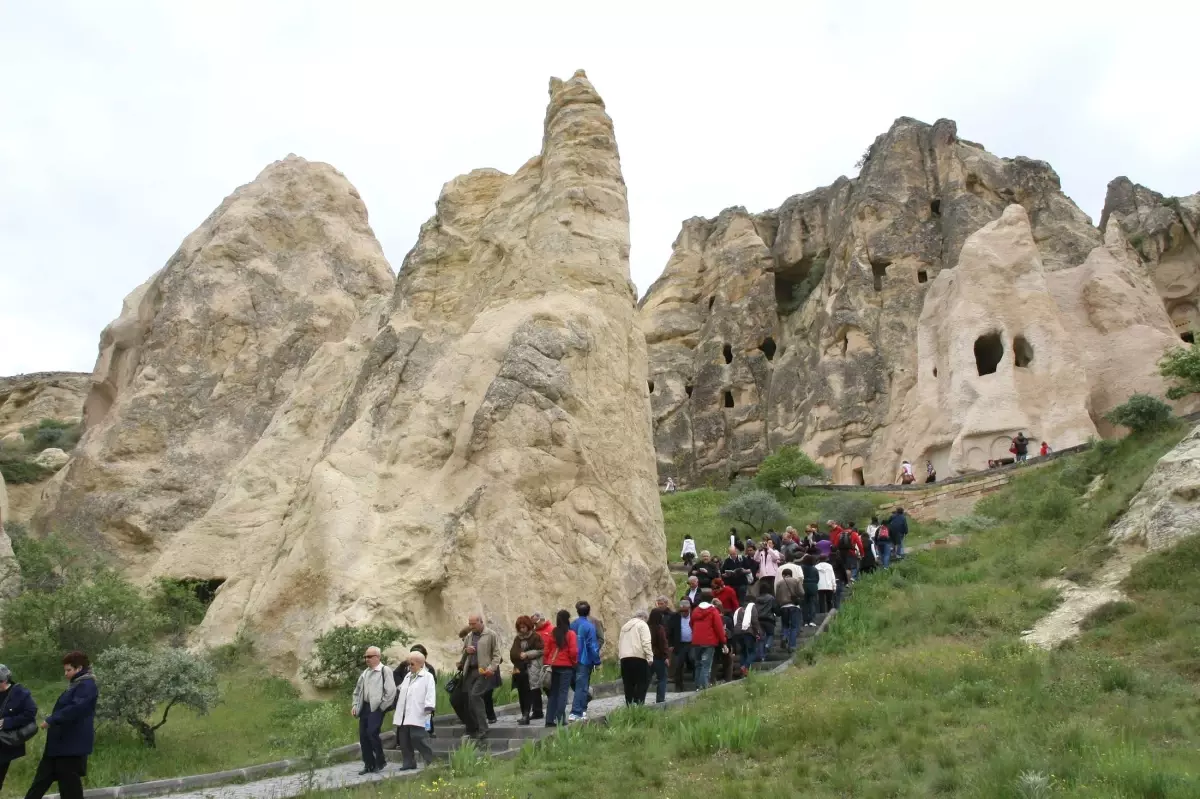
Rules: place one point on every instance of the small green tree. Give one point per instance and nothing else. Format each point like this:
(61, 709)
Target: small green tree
(1181, 364)
(1141, 413)
(845, 508)
(178, 604)
(755, 509)
(337, 657)
(137, 682)
(312, 735)
(787, 467)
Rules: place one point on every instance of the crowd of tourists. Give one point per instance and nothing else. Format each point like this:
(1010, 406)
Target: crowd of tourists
(733, 613)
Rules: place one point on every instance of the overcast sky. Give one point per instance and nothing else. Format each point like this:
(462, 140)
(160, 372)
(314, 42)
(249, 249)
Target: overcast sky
(123, 124)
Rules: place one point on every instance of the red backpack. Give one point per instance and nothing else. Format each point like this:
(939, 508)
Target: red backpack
(882, 533)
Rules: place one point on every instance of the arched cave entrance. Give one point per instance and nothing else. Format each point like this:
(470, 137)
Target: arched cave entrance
(728, 399)
(878, 271)
(1189, 337)
(768, 348)
(856, 477)
(989, 350)
(727, 351)
(650, 385)
(1022, 351)
(688, 390)
(922, 276)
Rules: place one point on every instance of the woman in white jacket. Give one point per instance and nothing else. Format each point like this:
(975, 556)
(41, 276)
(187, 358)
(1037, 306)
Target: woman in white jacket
(636, 650)
(415, 704)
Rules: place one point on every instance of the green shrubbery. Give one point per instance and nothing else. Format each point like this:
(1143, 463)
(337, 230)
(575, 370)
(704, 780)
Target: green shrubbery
(1141, 413)
(337, 658)
(788, 467)
(754, 508)
(16, 462)
(139, 683)
(845, 508)
(178, 605)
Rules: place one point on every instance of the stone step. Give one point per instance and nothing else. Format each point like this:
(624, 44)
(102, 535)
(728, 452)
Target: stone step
(530, 730)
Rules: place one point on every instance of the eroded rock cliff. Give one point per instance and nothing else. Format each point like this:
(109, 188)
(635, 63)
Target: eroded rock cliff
(27, 399)
(479, 441)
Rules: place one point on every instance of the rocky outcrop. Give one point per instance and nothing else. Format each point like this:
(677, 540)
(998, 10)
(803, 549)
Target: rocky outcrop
(1163, 232)
(27, 399)
(205, 351)
(479, 442)
(805, 324)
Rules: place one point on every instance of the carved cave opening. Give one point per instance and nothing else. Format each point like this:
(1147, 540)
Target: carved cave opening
(688, 389)
(922, 276)
(857, 478)
(989, 349)
(650, 385)
(727, 351)
(1189, 337)
(728, 399)
(878, 271)
(1022, 351)
(935, 207)
(768, 348)
(711, 300)
(935, 371)
(204, 590)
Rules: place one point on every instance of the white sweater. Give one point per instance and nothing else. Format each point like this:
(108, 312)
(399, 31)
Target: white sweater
(826, 580)
(417, 692)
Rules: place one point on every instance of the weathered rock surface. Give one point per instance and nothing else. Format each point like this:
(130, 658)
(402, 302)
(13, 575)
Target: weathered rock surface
(480, 442)
(27, 399)
(205, 351)
(52, 458)
(10, 574)
(803, 324)
(1163, 231)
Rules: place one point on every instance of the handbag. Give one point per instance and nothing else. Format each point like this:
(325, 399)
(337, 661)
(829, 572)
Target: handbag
(454, 681)
(21, 734)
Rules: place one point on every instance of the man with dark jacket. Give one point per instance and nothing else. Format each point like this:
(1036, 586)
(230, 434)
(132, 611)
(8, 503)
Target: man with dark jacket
(738, 571)
(70, 733)
(1020, 447)
(898, 528)
(17, 710)
(706, 570)
(692, 595)
(679, 640)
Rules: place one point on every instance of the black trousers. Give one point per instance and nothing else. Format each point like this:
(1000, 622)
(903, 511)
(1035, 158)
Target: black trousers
(412, 740)
(468, 701)
(680, 659)
(67, 771)
(530, 696)
(635, 676)
(369, 723)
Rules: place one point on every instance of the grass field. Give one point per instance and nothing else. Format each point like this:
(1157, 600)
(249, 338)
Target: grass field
(922, 687)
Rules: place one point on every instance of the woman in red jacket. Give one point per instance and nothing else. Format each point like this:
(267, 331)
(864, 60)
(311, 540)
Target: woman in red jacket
(708, 633)
(725, 595)
(562, 653)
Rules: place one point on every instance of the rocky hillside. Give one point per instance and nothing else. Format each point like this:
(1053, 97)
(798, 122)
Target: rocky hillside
(273, 411)
(928, 309)
(27, 399)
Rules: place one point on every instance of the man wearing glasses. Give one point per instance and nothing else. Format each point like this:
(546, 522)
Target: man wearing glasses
(374, 695)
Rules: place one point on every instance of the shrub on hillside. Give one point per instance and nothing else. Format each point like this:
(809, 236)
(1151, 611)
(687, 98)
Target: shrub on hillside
(311, 735)
(754, 508)
(19, 470)
(337, 658)
(177, 604)
(971, 523)
(51, 433)
(137, 683)
(1141, 413)
(788, 467)
(845, 508)
(1181, 364)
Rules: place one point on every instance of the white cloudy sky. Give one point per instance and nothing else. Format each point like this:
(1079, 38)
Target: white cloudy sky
(122, 124)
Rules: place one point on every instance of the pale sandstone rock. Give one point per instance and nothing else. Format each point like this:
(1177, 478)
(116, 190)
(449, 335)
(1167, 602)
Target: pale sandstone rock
(10, 575)
(27, 399)
(12, 440)
(483, 444)
(207, 349)
(51, 458)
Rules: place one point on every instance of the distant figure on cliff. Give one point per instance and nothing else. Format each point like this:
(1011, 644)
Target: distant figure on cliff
(670, 485)
(688, 554)
(930, 472)
(1020, 447)
(906, 474)
(1045, 450)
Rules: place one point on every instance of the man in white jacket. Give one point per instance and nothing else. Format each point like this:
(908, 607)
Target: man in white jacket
(636, 652)
(414, 709)
(374, 695)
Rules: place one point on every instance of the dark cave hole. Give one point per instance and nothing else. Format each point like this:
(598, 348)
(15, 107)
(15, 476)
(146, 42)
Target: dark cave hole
(727, 351)
(768, 348)
(922, 276)
(688, 389)
(878, 270)
(728, 399)
(1022, 351)
(989, 349)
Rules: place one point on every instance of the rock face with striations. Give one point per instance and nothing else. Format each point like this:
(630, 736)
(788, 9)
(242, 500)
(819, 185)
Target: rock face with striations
(481, 441)
(207, 349)
(27, 399)
(804, 324)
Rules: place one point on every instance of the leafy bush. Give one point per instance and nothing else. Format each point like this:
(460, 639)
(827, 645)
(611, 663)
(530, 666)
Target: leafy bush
(46, 563)
(972, 523)
(23, 471)
(467, 760)
(786, 468)
(137, 682)
(1181, 364)
(52, 433)
(337, 658)
(176, 602)
(1141, 413)
(845, 508)
(312, 734)
(755, 509)
(801, 291)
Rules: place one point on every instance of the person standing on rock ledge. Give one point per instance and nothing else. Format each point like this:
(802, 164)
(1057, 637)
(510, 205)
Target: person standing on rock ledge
(374, 694)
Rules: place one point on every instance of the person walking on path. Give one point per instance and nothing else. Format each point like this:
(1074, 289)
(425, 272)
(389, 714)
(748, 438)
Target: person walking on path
(692, 595)
(737, 573)
(589, 659)
(374, 695)
(811, 581)
(706, 570)
(562, 656)
(768, 565)
(688, 553)
(748, 631)
(635, 648)
(767, 611)
(70, 733)
(725, 595)
(661, 649)
(897, 529)
(788, 594)
(679, 639)
(416, 699)
(526, 656)
(479, 664)
(708, 633)
(1020, 447)
(1044, 450)
(883, 543)
(17, 710)
(826, 584)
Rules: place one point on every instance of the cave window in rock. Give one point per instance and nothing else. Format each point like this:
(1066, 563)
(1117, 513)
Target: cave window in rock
(728, 399)
(922, 276)
(1022, 351)
(650, 385)
(688, 390)
(878, 270)
(935, 207)
(857, 477)
(768, 348)
(711, 300)
(935, 371)
(989, 349)
(1189, 337)
(727, 351)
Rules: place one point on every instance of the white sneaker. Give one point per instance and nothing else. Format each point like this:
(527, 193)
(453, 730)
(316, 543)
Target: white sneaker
(584, 716)
(572, 717)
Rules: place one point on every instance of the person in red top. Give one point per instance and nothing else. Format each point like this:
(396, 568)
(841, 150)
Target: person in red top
(856, 543)
(708, 633)
(724, 594)
(562, 653)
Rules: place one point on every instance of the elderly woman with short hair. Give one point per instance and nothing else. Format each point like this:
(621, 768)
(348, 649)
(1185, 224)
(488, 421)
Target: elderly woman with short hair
(636, 651)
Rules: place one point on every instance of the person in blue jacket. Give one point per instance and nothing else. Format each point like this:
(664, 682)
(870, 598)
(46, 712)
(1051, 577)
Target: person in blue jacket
(17, 710)
(589, 658)
(70, 733)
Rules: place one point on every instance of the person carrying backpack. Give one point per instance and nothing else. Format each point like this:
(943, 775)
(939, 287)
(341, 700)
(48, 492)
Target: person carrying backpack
(883, 542)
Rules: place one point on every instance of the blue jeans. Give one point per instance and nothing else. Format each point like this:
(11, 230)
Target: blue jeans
(583, 676)
(885, 552)
(746, 648)
(704, 661)
(791, 625)
(764, 645)
(899, 546)
(810, 603)
(659, 668)
(556, 703)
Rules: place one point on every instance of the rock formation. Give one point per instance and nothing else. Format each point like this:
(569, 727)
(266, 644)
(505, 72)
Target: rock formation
(205, 351)
(804, 324)
(480, 441)
(27, 399)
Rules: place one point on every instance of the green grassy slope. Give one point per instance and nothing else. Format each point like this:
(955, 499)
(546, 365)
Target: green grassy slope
(922, 687)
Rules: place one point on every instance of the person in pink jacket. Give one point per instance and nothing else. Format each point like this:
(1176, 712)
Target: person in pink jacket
(768, 558)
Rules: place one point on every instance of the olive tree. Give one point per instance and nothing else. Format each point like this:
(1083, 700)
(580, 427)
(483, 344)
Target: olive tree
(787, 467)
(755, 509)
(136, 682)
